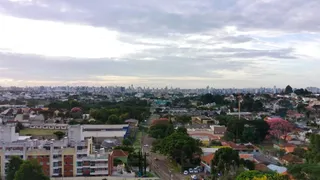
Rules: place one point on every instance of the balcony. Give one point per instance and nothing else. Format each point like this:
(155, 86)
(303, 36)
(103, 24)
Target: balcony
(57, 151)
(99, 166)
(14, 152)
(83, 151)
(105, 172)
(56, 159)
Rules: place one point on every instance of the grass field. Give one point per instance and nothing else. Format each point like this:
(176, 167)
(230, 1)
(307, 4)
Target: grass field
(137, 142)
(38, 132)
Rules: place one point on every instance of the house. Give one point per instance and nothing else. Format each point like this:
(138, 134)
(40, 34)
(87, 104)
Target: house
(116, 154)
(203, 120)
(289, 148)
(206, 162)
(278, 169)
(261, 167)
(242, 148)
(218, 130)
(160, 121)
(204, 136)
(291, 159)
(132, 122)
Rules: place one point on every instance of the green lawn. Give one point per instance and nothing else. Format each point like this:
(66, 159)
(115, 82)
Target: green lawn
(38, 132)
(137, 142)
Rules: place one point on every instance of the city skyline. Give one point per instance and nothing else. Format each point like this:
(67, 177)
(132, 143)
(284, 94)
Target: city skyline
(187, 44)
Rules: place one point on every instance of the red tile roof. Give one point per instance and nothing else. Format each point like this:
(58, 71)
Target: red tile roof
(246, 156)
(290, 158)
(261, 167)
(119, 153)
(208, 158)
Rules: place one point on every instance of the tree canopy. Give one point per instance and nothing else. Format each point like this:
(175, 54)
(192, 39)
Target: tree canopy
(59, 134)
(210, 98)
(184, 119)
(288, 90)
(243, 130)
(178, 146)
(224, 160)
(302, 92)
(279, 127)
(30, 169)
(313, 154)
(161, 131)
(305, 171)
(257, 175)
(13, 166)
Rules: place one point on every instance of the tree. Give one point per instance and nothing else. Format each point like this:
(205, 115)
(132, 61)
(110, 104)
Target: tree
(183, 119)
(161, 130)
(224, 160)
(302, 92)
(279, 127)
(248, 164)
(19, 127)
(301, 107)
(288, 90)
(256, 175)
(59, 134)
(113, 119)
(300, 152)
(30, 169)
(14, 165)
(245, 131)
(126, 142)
(305, 171)
(313, 155)
(179, 146)
(182, 130)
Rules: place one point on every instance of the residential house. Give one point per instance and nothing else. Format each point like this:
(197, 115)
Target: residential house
(291, 159)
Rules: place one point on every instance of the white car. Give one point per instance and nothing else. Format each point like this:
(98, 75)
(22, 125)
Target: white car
(190, 170)
(146, 145)
(185, 172)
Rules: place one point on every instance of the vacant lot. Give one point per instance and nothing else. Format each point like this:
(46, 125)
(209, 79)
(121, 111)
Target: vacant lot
(38, 132)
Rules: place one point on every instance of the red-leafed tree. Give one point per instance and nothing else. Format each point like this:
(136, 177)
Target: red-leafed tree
(279, 127)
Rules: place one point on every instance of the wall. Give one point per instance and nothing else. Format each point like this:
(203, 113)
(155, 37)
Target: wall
(103, 177)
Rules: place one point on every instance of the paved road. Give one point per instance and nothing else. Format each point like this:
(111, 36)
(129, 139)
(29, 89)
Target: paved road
(161, 165)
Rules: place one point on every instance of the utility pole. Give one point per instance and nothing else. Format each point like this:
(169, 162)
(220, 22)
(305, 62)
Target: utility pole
(239, 106)
(145, 164)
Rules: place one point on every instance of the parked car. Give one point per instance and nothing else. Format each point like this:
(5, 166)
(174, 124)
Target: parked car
(185, 172)
(194, 177)
(190, 170)
(195, 170)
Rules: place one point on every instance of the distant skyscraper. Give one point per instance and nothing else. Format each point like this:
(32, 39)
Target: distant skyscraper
(274, 90)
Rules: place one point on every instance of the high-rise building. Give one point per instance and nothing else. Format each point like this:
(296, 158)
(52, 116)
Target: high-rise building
(71, 156)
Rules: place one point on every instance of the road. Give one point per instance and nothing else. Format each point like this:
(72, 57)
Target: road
(161, 165)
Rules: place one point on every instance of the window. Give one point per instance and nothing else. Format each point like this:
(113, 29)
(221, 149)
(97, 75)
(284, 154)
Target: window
(79, 171)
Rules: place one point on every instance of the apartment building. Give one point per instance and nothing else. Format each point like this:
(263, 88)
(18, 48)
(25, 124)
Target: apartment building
(72, 156)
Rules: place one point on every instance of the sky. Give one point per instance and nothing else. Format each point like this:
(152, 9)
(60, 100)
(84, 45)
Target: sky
(180, 43)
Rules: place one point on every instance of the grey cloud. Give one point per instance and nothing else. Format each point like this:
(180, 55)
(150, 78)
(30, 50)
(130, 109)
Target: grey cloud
(180, 16)
(237, 39)
(41, 68)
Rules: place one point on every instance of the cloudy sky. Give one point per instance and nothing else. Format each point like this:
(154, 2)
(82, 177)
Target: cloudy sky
(157, 43)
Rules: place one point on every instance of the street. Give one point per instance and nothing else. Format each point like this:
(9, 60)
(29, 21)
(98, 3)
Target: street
(157, 162)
